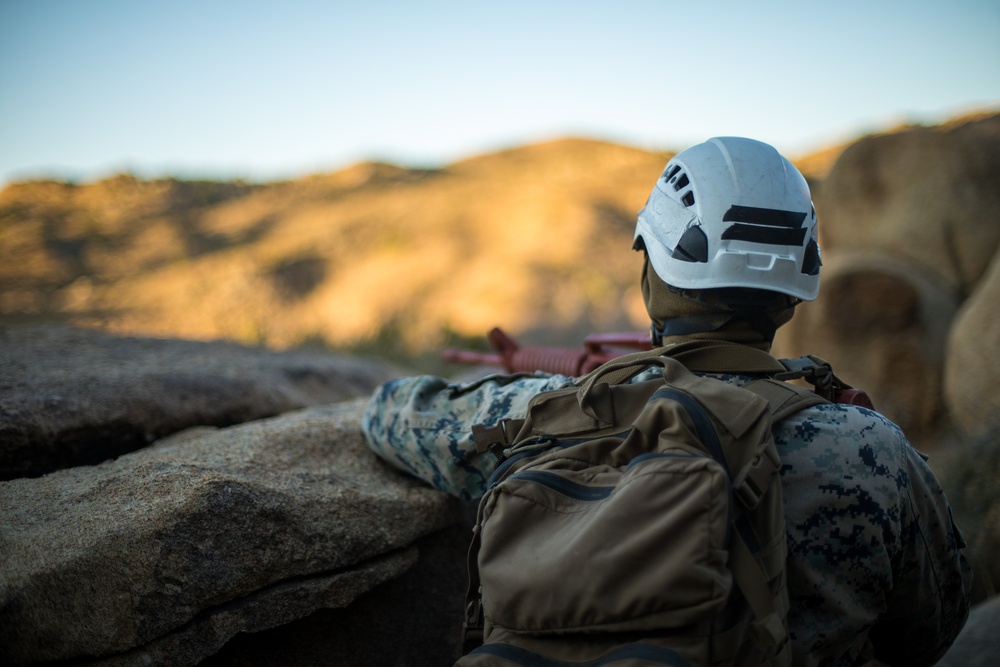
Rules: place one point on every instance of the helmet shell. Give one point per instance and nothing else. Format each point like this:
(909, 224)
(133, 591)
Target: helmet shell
(732, 212)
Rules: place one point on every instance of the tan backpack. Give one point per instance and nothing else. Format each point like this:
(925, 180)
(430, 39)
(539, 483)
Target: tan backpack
(637, 523)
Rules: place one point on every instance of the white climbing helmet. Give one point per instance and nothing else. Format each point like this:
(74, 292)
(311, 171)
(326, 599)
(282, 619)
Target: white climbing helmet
(732, 212)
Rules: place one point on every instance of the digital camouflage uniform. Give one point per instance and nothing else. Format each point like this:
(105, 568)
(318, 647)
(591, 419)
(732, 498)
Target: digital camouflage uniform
(874, 567)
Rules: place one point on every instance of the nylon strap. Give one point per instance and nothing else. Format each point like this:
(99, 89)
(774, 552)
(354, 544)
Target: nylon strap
(594, 397)
(474, 622)
(768, 630)
(784, 399)
(696, 356)
(622, 368)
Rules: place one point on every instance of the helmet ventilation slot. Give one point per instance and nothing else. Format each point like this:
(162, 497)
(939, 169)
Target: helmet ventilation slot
(679, 180)
(693, 246)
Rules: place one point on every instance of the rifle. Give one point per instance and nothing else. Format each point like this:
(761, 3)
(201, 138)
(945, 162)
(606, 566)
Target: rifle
(573, 362)
(599, 348)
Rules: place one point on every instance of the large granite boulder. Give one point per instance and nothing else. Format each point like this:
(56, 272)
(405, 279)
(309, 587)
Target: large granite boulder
(925, 195)
(972, 368)
(162, 555)
(73, 396)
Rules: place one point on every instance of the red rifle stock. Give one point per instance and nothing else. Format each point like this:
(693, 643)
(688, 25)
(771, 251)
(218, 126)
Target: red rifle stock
(573, 362)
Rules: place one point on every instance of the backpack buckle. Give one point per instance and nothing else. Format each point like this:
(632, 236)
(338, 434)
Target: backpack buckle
(472, 629)
(496, 438)
(817, 372)
(769, 632)
(752, 481)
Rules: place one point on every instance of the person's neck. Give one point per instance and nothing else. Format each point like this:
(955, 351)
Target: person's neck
(740, 335)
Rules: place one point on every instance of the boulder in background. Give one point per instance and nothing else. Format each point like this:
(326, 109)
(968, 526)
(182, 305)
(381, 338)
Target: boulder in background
(972, 369)
(926, 195)
(883, 324)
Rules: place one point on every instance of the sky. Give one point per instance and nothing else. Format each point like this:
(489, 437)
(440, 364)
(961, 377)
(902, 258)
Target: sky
(266, 90)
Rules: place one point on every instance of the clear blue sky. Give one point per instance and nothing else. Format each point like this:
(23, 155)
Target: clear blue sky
(279, 88)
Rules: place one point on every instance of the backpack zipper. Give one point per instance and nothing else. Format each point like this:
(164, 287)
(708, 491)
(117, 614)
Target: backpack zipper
(658, 655)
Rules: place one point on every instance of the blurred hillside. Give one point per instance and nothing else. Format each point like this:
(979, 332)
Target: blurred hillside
(536, 239)
(519, 237)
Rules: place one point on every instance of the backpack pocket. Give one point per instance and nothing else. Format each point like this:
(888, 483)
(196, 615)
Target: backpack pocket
(605, 549)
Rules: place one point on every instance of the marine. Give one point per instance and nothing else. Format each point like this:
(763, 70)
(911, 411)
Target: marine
(729, 237)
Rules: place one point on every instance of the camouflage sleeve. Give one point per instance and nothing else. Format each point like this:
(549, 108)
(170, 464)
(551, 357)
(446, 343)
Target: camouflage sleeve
(422, 425)
(932, 582)
(875, 566)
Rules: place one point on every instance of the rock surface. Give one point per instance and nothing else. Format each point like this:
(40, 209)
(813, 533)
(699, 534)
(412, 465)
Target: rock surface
(926, 195)
(978, 645)
(72, 396)
(173, 549)
(969, 475)
(413, 621)
(280, 604)
(908, 230)
(883, 324)
(972, 370)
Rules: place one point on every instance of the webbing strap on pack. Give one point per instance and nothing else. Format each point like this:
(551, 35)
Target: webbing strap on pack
(783, 399)
(750, 484)
(474, 622)
(727, 357)
(768, 630)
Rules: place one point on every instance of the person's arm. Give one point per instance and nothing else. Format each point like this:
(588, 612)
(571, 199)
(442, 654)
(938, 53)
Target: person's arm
(932, 581)
(874, 565)
(422, 425)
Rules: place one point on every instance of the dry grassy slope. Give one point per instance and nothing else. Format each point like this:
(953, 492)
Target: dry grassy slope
(534, 234)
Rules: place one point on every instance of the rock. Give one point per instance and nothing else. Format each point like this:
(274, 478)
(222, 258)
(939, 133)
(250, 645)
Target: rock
(72, 396)
(925, 195)
(972, 368)
(412, 621)
(978, 644)
(969, 471)
(883, 325)
(281, 603)
(165, 553)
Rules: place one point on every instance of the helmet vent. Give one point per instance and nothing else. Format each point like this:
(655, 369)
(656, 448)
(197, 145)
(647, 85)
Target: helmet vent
(682, 182)
(671, 172)
(693, 246)
(688, 198)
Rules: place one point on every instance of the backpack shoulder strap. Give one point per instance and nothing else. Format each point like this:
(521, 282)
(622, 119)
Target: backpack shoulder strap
(726, 357)
(783, 398)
